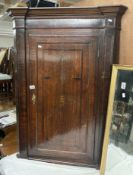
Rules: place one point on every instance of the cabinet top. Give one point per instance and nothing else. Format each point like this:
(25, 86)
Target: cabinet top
(69, 11)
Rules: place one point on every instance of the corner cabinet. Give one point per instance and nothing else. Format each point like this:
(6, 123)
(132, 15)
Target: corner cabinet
(63, 68)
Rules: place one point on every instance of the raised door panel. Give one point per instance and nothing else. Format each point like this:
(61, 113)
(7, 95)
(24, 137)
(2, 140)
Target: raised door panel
(63, 118)
(61, 97)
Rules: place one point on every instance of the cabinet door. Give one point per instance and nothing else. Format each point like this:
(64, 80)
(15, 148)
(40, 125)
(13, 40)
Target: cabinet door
(62, 119)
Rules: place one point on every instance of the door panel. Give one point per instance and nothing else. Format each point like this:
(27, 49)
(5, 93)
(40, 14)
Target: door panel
(64, 121)
(58, 74)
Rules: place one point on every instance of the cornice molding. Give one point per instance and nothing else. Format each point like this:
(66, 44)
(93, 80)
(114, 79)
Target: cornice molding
(100, 10)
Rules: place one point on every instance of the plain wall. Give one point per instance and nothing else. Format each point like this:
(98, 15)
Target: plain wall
(126, 39)
(6, 34)
(6, 41)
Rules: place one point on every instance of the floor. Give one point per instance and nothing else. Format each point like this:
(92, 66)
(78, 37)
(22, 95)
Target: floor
(12, 165)
(5, 105)
(9, 144)
(118, 163)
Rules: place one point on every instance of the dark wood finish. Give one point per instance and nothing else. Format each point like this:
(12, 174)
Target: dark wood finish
(67, 53)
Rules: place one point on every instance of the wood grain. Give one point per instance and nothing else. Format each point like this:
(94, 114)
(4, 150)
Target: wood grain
(67, 54)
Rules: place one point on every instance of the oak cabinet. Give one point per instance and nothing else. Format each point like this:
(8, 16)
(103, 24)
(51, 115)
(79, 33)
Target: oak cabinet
(64, 59)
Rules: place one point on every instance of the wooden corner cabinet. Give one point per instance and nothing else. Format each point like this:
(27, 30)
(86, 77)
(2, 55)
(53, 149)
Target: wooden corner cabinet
(63, 68)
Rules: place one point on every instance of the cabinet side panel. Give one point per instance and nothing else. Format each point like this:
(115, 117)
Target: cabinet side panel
(21, 91)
